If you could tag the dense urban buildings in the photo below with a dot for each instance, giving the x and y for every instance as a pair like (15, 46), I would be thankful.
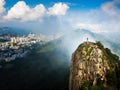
(12, 47)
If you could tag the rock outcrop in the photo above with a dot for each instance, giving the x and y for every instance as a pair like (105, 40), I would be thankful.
(94, 67)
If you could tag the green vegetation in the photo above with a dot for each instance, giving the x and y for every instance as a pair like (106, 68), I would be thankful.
(112, 75)
(80, 47)
(86, 86)
(112, 56)
(49, 47)
(46, 48)
(114, 62)
(99, 44)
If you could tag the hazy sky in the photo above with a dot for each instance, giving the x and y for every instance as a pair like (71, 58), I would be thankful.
(61, 15)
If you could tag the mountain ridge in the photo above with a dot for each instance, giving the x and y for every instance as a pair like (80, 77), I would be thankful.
(94, 67)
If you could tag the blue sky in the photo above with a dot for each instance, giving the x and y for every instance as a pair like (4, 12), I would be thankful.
(61, 15)
(74, 4)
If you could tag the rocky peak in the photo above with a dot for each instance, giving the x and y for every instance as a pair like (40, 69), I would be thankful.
(92, 66)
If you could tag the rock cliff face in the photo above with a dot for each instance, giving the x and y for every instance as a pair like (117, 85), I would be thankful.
(94, 67)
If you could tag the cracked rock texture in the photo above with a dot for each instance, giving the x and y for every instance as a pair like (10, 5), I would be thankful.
(94, 67)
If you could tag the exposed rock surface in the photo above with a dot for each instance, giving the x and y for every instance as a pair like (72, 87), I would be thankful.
(94, 67)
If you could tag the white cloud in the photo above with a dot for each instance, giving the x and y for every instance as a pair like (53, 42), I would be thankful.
(93, 27)
(111, 8)
(23, 12)
(58, 9)
(2, 9)
(103, 19)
